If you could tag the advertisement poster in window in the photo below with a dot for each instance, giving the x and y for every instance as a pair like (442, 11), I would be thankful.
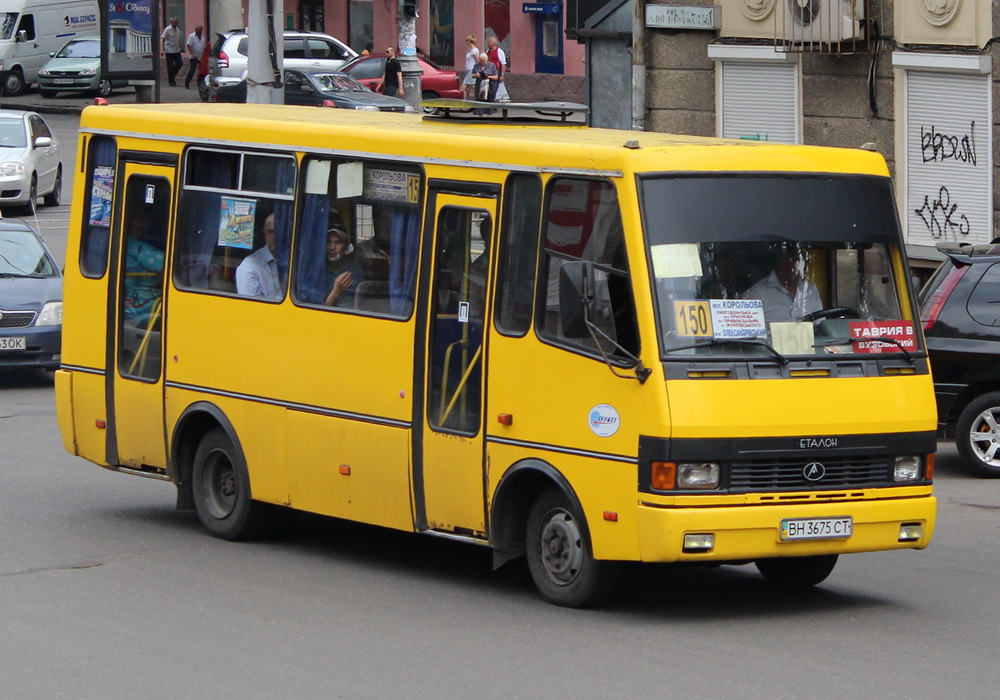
(100, 196)
(236, 217)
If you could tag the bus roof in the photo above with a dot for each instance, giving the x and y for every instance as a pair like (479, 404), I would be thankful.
(556, 148)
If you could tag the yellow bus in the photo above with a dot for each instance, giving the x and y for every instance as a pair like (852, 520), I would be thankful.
(577, 345)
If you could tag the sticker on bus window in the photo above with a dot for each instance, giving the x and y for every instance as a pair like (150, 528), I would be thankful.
(793, 337)
(236, 222)
(693, 319)
(738, 318)
(676, 260)
(100, 195)
(866, 336)
(383, 185)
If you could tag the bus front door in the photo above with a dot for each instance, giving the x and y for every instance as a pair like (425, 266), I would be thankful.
(449, 483)
(135, 358)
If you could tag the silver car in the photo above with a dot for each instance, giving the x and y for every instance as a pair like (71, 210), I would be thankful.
(303, 50)
(30, 163)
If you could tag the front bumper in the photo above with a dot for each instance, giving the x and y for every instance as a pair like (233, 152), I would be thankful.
(748, 532)
(42, 348)
(14, 189)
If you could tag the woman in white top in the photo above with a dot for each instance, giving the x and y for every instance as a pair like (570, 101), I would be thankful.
(471, 61)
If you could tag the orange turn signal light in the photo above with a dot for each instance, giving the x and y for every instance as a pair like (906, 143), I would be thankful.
(664, 476)
(100, 423)
(611, 516)
(929, 467)
(505, 418)
(345, 469)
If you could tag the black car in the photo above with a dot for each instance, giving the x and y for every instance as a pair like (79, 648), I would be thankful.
(31, 289)
(319, 88)
(960, 311)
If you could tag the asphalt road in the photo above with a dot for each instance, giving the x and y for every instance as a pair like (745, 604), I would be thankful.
(107, 591)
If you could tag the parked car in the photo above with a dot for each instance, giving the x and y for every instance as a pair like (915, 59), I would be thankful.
(960, 312)
(30, 299)
(30, 162)
(435, 81)
(317, 88)
(303, 50)
(76, 67)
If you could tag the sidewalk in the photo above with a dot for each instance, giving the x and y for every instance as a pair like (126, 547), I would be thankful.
(74, 102)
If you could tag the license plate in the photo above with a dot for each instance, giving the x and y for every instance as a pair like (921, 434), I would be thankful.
(816, 528)
(8, 343)
(63, 81)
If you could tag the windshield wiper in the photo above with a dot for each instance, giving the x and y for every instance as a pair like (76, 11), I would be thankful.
(736, 341)
(883, 339)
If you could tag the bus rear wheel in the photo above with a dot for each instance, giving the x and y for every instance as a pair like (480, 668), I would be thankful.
(559, 555)
(222, 489)
(797, 572)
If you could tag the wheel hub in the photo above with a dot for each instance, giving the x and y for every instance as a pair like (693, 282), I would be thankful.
(562, 548)
(983, 437)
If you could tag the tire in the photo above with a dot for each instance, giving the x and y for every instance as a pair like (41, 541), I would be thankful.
(46, 93)
(29, 206)
(797, 572)
(104, 88)
(14, 84)
(559, 555)
(429, 96)
(977, 435)
(203, 92)
(54, 198)
(221, 486)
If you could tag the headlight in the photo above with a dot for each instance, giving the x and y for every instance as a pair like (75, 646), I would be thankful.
(697, 475)
(367, 108)
(51, 314)
(11, 168)
(88, 71)
(44, 72)
(907, 468)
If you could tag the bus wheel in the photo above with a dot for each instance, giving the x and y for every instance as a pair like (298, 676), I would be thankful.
(222, 489)
(559, 557)
(977, 434)
(797, 572)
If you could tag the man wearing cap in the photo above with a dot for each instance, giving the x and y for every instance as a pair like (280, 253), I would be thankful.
(343, 272)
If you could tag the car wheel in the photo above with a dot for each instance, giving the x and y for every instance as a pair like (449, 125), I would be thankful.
(14, 85)
(46, 93)
(977, 435)
(429, 96)
(221, 487)
(797, 572)
(104, 87)
(29, 206)
(203, 91)
(559, 555)
(53, 198)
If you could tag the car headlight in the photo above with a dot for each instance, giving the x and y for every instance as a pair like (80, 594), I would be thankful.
(367, 108)
(51, 314)
(11, 168)
(88, 71)
(907, 468)
(44, 72)
(697, 475)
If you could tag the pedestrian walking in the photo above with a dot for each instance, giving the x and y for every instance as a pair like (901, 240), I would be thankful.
(195, 48)
(170, 48)
(392, 80)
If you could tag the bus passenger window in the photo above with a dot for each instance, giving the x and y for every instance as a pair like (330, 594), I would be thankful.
(518, 253)
(96, 230)
(358, 237)
(232, 238)
(584, 224)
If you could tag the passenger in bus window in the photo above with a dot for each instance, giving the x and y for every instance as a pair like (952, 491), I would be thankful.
(257, 275)
(343, 271)
(787, 293)
(143, 268)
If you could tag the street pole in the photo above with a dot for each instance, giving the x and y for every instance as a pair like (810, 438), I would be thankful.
(263, 87)
(406, 20)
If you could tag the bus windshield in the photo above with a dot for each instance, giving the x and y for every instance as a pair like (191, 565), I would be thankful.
(777, 265)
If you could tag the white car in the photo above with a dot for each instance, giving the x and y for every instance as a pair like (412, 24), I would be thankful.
(303, 50)
(30, 163)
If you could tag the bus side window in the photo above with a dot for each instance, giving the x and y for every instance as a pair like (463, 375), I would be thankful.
(96, 229)
(358, 237)
(518, 252)
(231, 238)
(584, 223)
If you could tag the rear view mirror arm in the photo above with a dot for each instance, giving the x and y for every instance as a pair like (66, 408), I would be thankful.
(641, 373)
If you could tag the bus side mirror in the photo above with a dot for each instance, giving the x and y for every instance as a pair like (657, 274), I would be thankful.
(576, 298)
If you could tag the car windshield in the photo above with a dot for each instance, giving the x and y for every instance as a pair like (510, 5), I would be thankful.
(338, 82)
(777, 265)
(84, 48)
(12, 134)
(8, 20)
(21, 255)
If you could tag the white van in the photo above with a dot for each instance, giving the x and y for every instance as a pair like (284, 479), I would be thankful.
(32, 29)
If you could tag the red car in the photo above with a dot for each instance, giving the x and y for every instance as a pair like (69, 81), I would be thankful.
(435, 82)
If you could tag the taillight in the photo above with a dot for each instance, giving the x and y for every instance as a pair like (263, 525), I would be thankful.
(936, 301)
(223, 60)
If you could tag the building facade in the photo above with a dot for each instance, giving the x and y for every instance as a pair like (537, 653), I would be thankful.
(913, 79)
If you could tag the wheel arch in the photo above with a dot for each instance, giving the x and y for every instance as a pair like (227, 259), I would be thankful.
(520, 485)
(196, 420)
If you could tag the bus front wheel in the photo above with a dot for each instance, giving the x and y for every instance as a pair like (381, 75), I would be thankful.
(559, 555)
(797, 572)
(222, 489)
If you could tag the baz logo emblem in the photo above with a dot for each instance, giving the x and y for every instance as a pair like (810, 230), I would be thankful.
(814, 471)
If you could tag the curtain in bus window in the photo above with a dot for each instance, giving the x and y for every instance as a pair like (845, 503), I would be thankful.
(283, 212)
(405, 245)
(203, 213)
(311, 261)
(94, 249)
